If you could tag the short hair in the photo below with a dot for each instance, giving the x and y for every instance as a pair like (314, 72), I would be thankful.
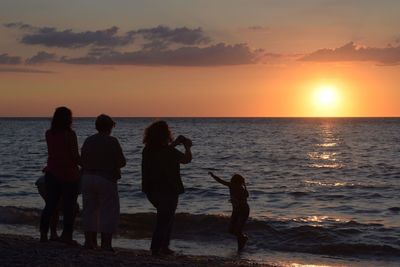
(62, 119)
(104, 123)
(157, 134)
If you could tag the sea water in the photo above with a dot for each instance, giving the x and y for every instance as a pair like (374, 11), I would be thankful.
(325, 189)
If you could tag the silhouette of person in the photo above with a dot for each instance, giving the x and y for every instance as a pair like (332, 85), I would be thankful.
(240, 208)
(161, 179)
(102, 159)
(61, 174)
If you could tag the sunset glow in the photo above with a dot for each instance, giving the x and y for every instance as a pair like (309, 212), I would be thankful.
(326, 96)
(133, 63)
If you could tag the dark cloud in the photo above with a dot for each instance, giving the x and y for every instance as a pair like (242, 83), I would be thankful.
(9, 60)
(51, 37)
(162, 35)
(161, 45)
(19, 25)
(214, 55)
(259, 28)
(25, 70)
(153, 38)
(41, 57)
(351, 52)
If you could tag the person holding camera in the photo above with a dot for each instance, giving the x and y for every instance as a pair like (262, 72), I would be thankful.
(161, 179)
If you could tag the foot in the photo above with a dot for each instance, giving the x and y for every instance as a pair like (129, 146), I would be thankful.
(167, 251)
(109, 249)
(242, 242)
(43, 237)
(155, 252)
(90, 246)
(68, 241)
(54, 237)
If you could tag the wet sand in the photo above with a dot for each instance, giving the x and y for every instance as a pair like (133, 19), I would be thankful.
(26, 251)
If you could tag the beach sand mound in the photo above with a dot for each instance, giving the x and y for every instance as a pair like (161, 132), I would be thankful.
(27, 251)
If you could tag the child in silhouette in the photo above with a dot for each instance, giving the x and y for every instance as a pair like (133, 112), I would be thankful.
(240, 208)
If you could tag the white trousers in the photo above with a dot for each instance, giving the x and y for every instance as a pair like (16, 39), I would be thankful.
(100, 204)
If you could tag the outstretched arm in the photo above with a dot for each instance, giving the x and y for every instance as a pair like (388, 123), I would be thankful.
(219, 180)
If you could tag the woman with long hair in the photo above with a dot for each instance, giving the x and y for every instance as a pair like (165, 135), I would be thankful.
(161, 179)
(61, 174)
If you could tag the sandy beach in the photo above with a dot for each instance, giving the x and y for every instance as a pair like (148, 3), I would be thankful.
(27, 251)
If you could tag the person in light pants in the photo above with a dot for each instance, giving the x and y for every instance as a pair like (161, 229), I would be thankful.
(102, 159)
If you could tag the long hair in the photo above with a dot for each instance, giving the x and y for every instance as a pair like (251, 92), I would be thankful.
(237, 180)
(157, 134)
(62, 119)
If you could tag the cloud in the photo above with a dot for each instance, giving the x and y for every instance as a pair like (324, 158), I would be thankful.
(25, 70)
(214, 55)
(163, 36)
(258, 28)
(41, 57)
(20, 26)
(51, 37)
(160, 45)
(351, 52)
(153, 38)
(9, 60)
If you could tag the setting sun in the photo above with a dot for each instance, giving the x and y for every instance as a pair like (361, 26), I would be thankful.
(326, 100)
(326, 96)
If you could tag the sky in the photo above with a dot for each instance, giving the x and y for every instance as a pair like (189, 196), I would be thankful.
(176, 58)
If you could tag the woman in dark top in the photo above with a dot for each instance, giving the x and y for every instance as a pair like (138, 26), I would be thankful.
(61, 174)
(161, 179)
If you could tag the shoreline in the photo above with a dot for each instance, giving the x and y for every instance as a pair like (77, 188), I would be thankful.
(19, 250)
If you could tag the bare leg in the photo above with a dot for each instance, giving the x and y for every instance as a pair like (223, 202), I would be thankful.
(90, 240)
(106, 241)
(53, 226)
(242, 240)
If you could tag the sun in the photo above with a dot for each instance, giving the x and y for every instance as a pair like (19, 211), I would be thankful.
(326, 96)
(326, 100)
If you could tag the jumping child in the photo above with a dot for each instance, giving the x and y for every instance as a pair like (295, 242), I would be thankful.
(240, 208)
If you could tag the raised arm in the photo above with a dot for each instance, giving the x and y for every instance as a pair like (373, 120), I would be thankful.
(219, 180)
(187, 143)
(187, 157)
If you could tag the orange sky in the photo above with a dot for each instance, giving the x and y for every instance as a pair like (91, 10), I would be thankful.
(261, 59)
(236, 91)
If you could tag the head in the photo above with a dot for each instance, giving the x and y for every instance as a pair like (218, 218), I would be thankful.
(237, 180)
(104, 124)
(62, 119)
(157, 134)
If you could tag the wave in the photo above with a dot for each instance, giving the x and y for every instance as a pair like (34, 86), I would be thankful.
(332, 238)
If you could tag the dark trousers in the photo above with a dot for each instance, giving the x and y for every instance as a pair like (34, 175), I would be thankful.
(166, 206)
(56, 190)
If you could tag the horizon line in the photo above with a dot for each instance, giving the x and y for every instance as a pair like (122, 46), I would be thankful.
(213, 117)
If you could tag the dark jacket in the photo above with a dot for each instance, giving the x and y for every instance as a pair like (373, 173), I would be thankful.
(161, 170)
(102, 155)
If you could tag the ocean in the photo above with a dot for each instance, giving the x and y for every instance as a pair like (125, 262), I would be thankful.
(322, 191)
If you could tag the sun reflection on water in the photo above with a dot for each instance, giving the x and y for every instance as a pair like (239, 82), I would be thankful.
(332, 184)
(308, 265)
(317, 219)
(323, 156)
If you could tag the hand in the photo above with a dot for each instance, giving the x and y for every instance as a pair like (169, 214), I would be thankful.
(178, 140)
(187, 143)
